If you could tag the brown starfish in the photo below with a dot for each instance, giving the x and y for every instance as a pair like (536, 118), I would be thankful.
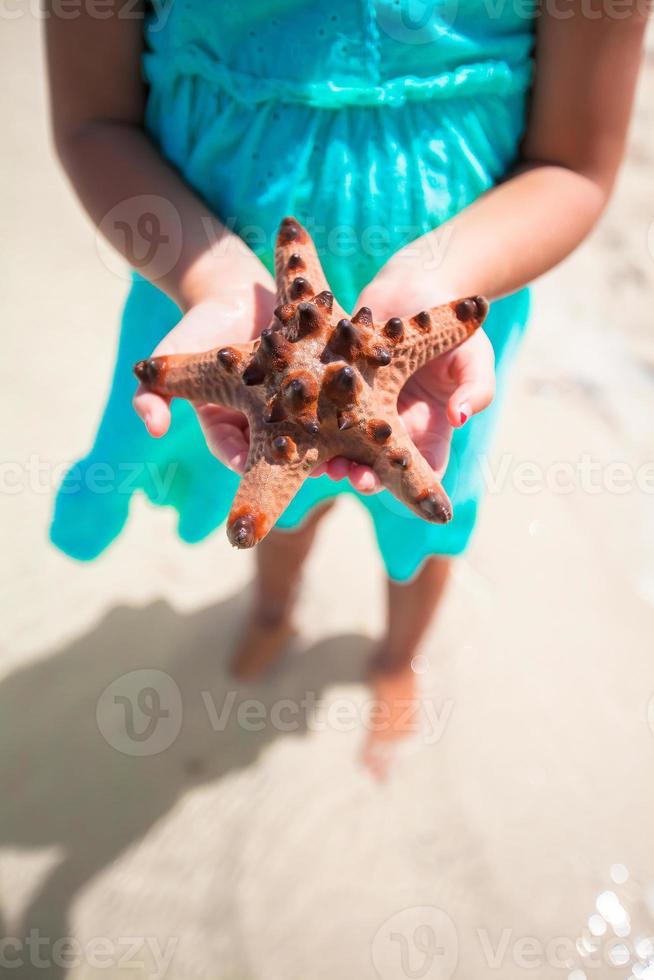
(317, 384)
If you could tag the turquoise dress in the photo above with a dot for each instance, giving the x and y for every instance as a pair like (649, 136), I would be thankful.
(355, 115)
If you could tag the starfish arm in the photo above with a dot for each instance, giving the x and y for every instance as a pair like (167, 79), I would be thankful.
(274, 473)
(414, 341)
(317, 384)
(298, 270)
(212, 376)
(405, 472)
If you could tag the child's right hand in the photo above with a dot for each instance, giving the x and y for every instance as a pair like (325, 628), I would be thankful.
(237, 315)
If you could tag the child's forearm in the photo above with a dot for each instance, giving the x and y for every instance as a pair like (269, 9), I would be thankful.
(585, 80)
(511, 235)
(147, 212)
(507, 238)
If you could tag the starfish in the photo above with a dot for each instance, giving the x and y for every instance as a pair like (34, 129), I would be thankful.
(318, 384)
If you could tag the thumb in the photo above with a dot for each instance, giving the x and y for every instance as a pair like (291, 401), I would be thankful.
(153, 410)
(470, 398)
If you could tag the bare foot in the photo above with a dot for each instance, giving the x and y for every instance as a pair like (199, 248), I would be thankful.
(261, 645)
(395, 712)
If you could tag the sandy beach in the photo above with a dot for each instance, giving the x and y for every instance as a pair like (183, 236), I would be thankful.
(244, 841)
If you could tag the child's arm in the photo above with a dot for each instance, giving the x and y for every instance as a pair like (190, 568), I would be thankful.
(586, 75)
(144, 207)
(97, 108)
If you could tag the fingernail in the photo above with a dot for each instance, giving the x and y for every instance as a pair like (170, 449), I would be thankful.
(465, 411)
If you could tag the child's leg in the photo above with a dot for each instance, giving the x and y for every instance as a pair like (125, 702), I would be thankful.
(280, 558)
(411, 608)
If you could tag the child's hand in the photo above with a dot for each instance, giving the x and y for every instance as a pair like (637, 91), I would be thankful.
(237, 315)
(436, 399)
(442, 396)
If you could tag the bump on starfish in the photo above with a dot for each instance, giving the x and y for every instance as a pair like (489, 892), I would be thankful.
(318, 384)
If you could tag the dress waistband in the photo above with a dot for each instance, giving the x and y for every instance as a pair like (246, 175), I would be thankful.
(466, 81)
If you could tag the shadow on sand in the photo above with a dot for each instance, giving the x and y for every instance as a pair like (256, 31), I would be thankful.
(65, 786)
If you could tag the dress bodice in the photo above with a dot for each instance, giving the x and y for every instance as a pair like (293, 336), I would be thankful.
(355, 115)
(347, 52)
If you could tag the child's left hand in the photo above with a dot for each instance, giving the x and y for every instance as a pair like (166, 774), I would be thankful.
(440, 397)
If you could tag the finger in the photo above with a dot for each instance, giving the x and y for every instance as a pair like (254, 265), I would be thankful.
(227, 435)
(238, 460)
(437, 455)
(364, 479)
(154, 410)
(469, 399)
(434, 443)
(338, 468)
(229, 446)
(476, 388)
(429, 429)
(233, 452)
(436, 452)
